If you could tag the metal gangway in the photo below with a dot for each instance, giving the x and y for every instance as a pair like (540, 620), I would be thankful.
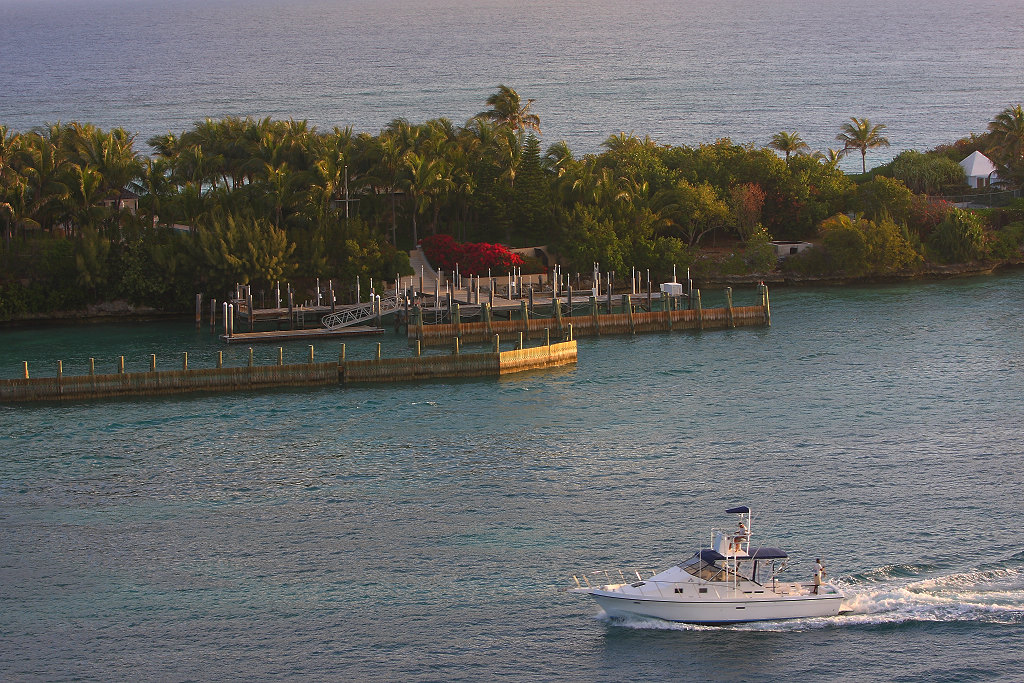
(377, 307)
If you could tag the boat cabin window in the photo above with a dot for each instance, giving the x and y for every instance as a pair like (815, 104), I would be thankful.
(708, 571)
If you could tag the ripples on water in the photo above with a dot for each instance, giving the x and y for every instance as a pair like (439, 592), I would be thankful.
(422, 531)
(681, 71)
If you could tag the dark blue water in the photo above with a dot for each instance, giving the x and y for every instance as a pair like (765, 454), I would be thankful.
(423, 531)
(681, 71)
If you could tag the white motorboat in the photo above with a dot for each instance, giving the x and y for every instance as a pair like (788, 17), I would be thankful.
(732, 581)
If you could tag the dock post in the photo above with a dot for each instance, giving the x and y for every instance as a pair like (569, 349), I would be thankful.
(531, 300)
(330, 293)
(700, 311)
(277, 294)
(311, 352)
(60, 369)
(231, 320)
(152, 362)
(456, 320)
(199, 310)
(627, 306)
(455, 345)
(556, 305)
(184, 361)
(767, 307)
(649, 304)
(609, 293)
(225, 318)
(291, 308)
(252, 312)
(497, 344)
(526, 318)
(593, 314)
(485, 312)
(520, 345)
(24, 365)
(728, 300)
(547, 336)
(120, 366)
(419, 348)
(220, 359)
(341, 354)
(668, 309)
(213, 315)
(490, 293)
(251, 363)
(568, 301)
(92, 367)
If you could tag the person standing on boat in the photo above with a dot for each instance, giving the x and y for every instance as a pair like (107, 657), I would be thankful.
(739, 538)
(819, 574)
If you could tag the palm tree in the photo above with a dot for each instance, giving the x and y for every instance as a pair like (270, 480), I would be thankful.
(506, 108)
(788, 143)
(860, 134)
(1007, 131)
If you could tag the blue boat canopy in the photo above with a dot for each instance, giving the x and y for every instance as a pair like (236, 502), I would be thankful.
(743, 509)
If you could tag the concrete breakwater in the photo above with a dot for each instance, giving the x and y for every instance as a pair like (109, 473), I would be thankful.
(254, 377)
(593, 322)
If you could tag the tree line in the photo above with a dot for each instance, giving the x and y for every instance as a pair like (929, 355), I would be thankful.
(87, 217)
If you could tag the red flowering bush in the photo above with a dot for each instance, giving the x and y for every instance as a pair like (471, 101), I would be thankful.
(444, 253)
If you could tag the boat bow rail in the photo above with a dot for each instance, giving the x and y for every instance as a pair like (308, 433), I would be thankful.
(605, 578)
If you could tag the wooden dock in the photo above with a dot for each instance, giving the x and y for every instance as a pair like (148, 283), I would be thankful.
(252, 377)
(595, 321)
(292, 335)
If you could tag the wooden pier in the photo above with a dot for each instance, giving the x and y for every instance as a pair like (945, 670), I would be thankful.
(595, 321)
(293, 335)
(253, 377)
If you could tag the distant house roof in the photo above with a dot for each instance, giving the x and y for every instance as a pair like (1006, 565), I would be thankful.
(977, 165)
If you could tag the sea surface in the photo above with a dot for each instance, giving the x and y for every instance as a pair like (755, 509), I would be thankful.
(425, 531)
(681, 71)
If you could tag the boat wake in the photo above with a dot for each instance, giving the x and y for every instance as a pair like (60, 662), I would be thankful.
(897, 595)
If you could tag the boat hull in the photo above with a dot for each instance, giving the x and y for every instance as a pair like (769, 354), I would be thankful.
(721, 611)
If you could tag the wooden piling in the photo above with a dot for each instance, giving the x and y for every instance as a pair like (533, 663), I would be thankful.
(199, 310)
(594, 316)
(291, 308)
(767, 307)
(456, 318)
(556, 305)
(220, 359)
(525, 314)
(728, 300)
(25, 368)
(184, 360)
(627, 306)
(311, 352)
(152, 362)
(252, 311)
(120, 366)
(92, 367)
(700, 311)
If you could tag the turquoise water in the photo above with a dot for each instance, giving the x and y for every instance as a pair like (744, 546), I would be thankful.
(422, 531)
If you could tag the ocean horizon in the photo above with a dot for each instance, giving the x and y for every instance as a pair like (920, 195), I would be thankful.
(680, 71)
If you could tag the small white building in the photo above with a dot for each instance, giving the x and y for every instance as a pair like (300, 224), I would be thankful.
(980, 170)
(784, 248)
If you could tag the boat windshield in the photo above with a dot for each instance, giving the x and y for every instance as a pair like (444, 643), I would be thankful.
(709, 571)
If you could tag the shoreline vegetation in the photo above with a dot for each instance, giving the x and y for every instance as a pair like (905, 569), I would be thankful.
(93, 229)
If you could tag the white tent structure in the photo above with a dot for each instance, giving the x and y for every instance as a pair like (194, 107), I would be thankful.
(980, 170)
